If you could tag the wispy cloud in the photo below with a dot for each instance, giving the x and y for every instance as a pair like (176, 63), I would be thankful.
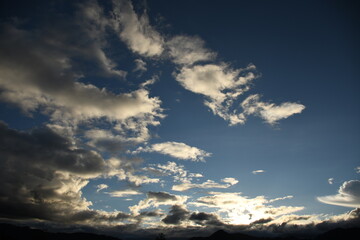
(177, 150)
(258, 171)
(124, 193)
(331, 180)
(101, 187)
(205, 185)
(136, 31)
(177, 171)
(140, 65)
(270, 112)
(187, 50)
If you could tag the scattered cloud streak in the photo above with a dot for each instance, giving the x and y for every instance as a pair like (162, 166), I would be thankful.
(331, 181)
(124, 193)
(258, 171)
(205, 185)
(176, 150)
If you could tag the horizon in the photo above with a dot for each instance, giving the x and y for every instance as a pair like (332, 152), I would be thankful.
(140, 117)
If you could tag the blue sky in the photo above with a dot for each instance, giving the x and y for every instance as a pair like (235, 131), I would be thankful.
(148, 113)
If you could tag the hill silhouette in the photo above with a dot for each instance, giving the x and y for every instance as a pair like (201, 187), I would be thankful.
(12, 232)
(336, 234)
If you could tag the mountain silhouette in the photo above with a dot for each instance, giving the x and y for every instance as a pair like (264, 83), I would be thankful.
(222, 235)
(12, 232)
(340, 233)
(336, 234)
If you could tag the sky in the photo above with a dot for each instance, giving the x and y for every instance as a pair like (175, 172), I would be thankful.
(138, 117)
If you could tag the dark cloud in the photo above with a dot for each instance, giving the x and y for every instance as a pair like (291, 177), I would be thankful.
(206, 219)
(176, 215)
(151, 214)
(161, 196)
(262, 221)
(42, 174)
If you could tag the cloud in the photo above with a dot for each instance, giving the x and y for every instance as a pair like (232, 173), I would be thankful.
(221, 86)
(124, 193)
(214, 81)
(206, 219)
(257, 171)
(125, 170)
(140, 65)
(177, 171)
(231, 181)
(331, 180)
(241, 209)
(348, 195)
(150, 81)
(42, 174)
(270, 112)
(136, 31)
(357, 169)
(208, 184)
(176, 150)
(36, 76)
(155, 199)
(101, 187)
(186, 50)
(176, 215)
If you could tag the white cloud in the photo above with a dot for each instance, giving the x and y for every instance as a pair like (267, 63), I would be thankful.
(150, 81)
(348, 195)
(270, 112)
(205, 185)
(281, 198)
(101, 187)
(241, 209)
(155, 199)
(231, 181)
(357, 169)
(124, 193)
(124, 170)
(136, 31)
(214, 80)
(177, 171)
(221, 86)
(34, 77)
(258, 171)
(331, 180)
(176, 150)
(187, 50)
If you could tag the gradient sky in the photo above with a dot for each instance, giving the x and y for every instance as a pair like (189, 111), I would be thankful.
(180, 115)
